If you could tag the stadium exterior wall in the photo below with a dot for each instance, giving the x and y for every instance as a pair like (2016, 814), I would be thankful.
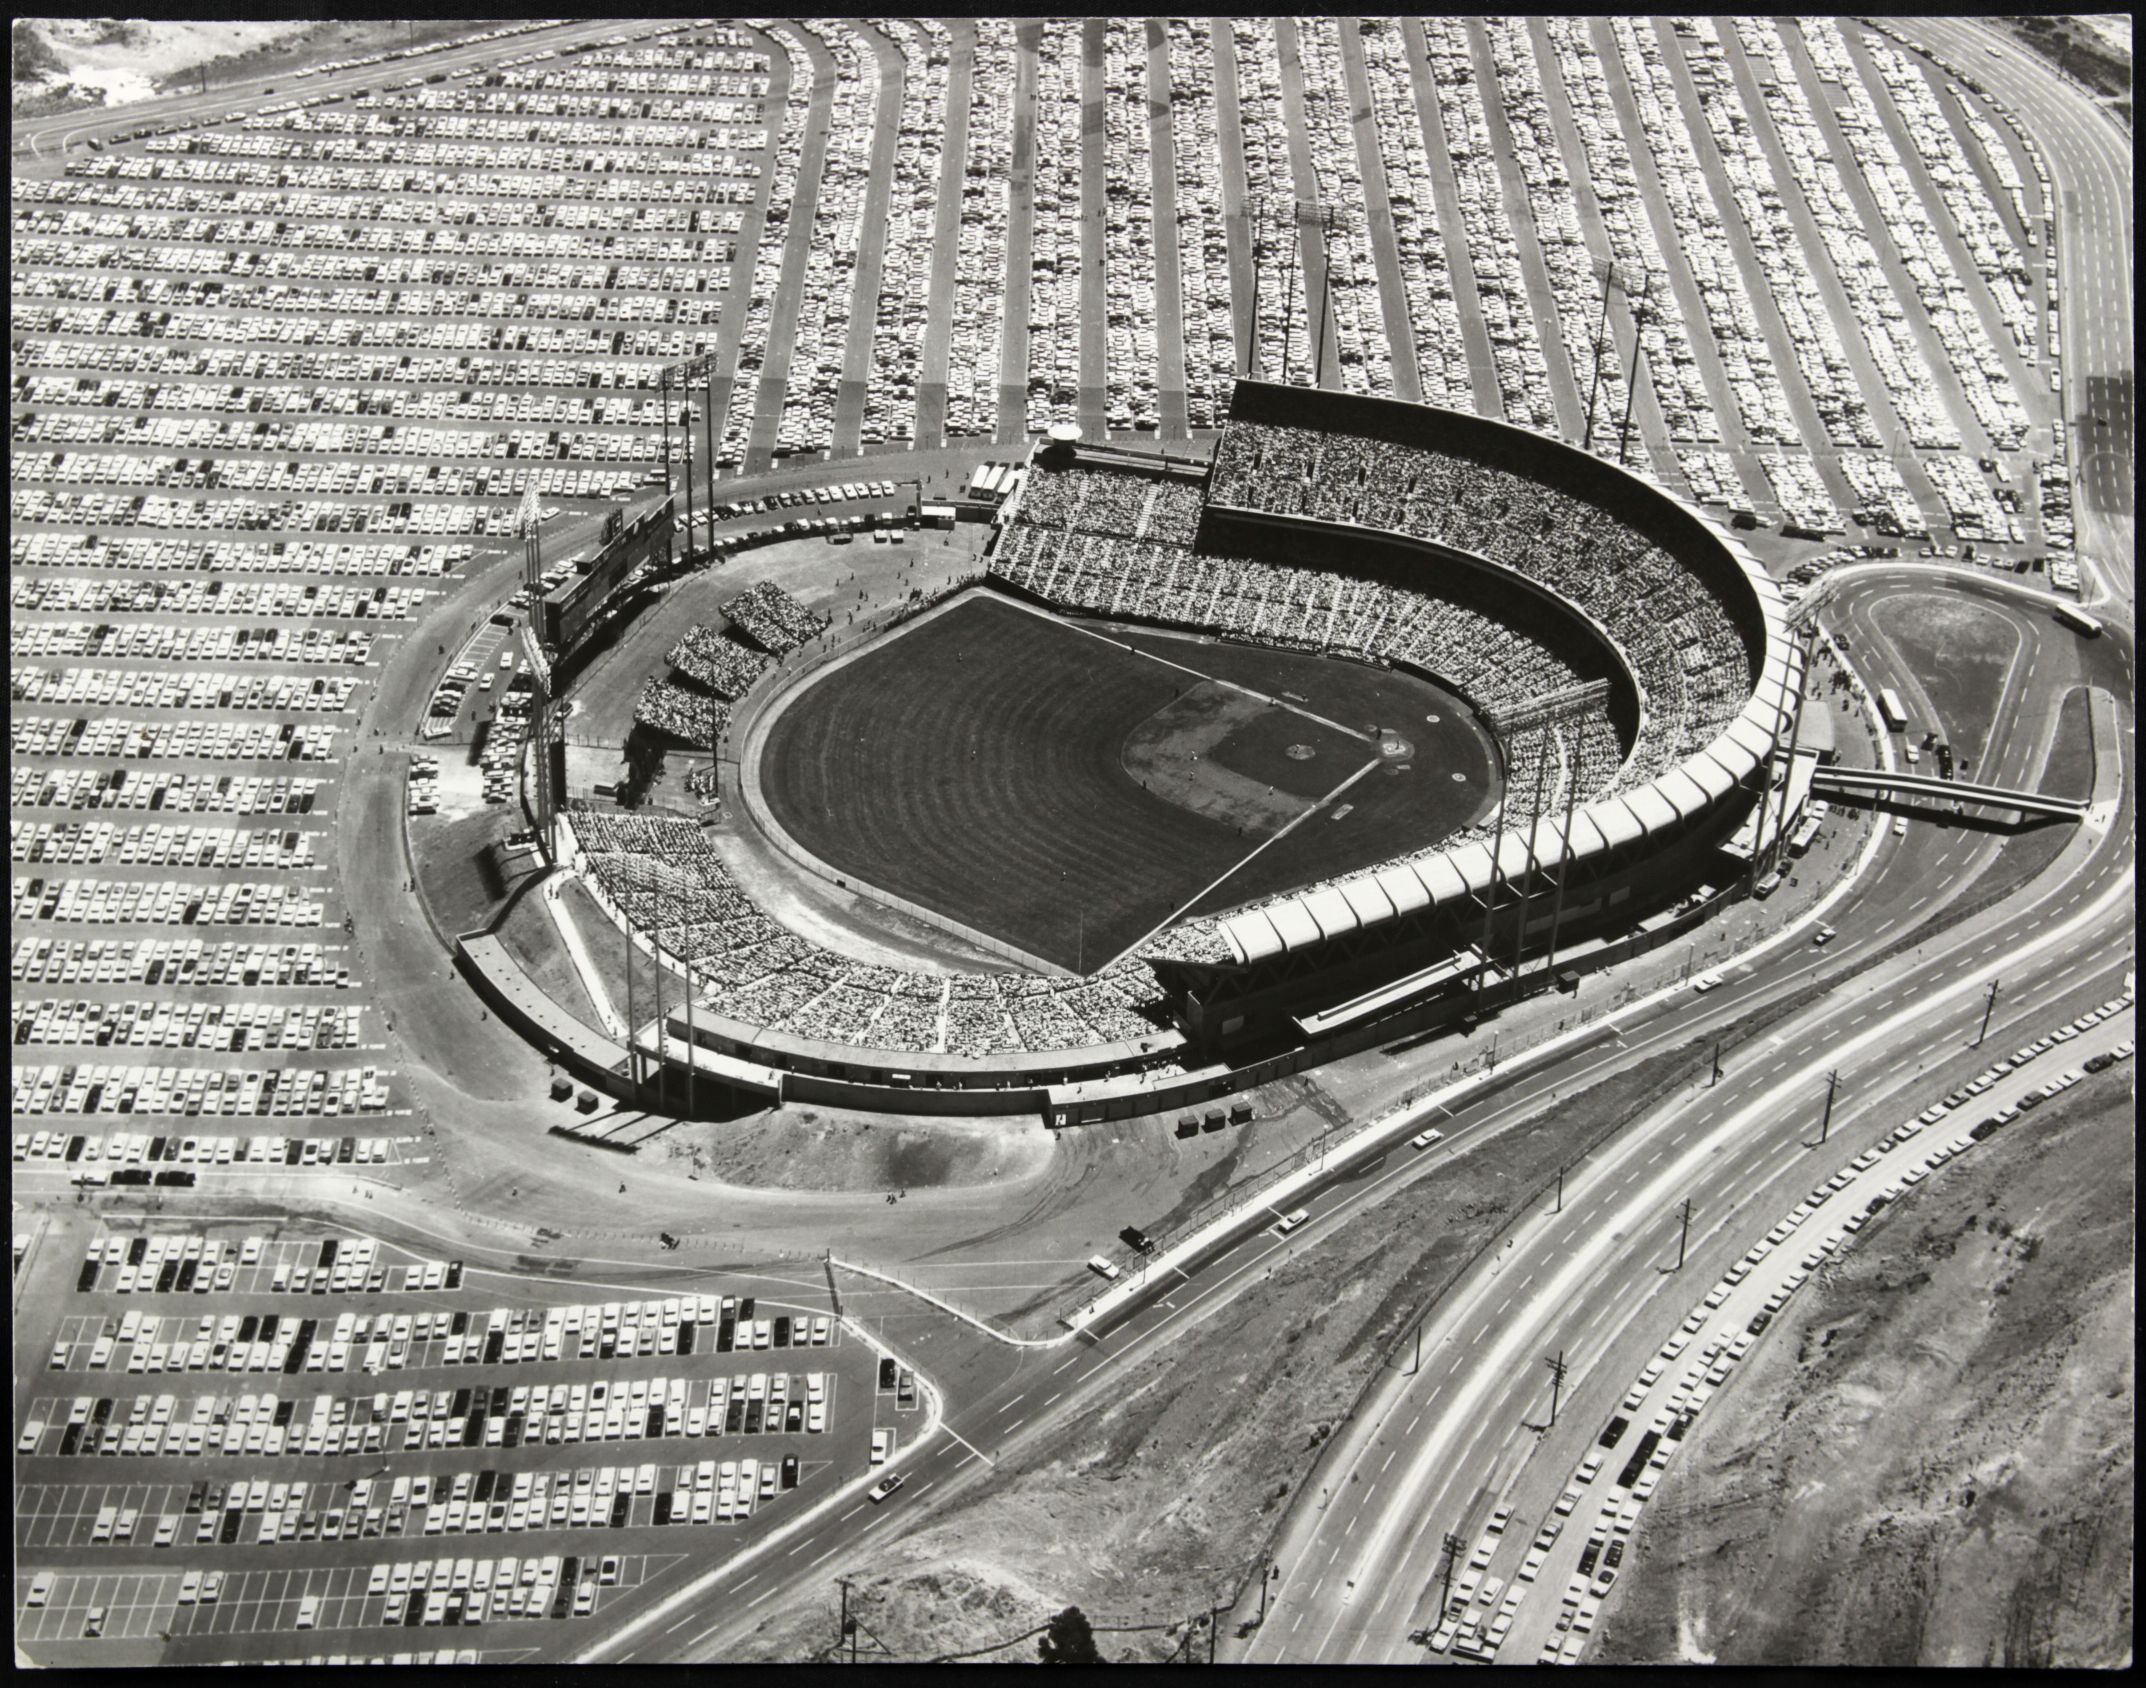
(1735, 760)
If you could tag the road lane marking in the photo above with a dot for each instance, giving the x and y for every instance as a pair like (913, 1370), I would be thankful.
(966, 1443)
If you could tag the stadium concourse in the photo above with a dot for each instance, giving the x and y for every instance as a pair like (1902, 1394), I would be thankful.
(1510, 572)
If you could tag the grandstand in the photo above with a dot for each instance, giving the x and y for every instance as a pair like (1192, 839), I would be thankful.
(1535, 582)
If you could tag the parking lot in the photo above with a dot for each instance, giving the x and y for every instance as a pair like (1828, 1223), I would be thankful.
(347, 1410)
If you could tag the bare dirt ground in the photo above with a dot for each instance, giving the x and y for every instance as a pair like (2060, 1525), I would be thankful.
(801, 1149)
(118, 61)
(1156, 1507)
(1933, 1464)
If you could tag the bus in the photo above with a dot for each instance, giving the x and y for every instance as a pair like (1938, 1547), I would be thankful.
(1800, 840)
(1889, 707)
(2079, 621)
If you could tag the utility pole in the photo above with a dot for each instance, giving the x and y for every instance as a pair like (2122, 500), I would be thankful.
(1453, 1546)
(848, 1631)
(663, 389)
(1684, 1235)
(1560, 1208)
(1557, 1382)
(1716, 1079)
(1988, 1008)
(1825, 1124)
(1267, 1576)
(1417, 1364)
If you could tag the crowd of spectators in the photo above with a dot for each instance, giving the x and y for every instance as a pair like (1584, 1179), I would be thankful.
(1676, 637)
(774, 620)
(680, 712)
(672, 885)
(720, 665)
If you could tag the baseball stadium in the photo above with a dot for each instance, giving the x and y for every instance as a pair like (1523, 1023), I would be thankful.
(1202, 773)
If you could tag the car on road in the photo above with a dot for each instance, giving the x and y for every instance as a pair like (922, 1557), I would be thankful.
(1823, 936)
(1705, 982)
(1424, 1139)
(885, 1487)
(1900, 828)
(1290, 1221)
(1101, 1268)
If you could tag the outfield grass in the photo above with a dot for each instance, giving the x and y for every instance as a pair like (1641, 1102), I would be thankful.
(976, 765)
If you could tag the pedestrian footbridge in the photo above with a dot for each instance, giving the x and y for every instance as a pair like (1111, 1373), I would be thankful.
(1875, 782)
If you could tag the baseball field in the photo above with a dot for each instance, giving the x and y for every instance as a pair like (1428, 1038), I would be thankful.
(1068, 788)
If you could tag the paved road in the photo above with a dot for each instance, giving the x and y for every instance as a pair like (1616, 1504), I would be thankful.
(54, 137)
(1006, 1399)
(1358, 1560)
(2089, 160)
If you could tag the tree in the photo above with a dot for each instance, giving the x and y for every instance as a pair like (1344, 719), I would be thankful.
(1069, 1640)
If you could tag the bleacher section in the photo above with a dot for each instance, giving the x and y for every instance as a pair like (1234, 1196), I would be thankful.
(663, 872)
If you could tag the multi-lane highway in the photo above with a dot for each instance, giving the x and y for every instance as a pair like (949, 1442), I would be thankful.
(1434, 1451)
(1737, 1151)
(2089, 160)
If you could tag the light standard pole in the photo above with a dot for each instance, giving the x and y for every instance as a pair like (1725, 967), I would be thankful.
(1988, 1008)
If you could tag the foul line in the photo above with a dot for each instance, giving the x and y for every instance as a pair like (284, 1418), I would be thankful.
(1322, 806)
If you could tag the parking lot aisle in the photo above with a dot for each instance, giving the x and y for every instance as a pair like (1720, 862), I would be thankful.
(877, 56)
(946, 247)
(774, 390)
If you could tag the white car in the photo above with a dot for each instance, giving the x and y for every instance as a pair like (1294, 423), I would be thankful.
(1424, 1139)
(1290, 1221)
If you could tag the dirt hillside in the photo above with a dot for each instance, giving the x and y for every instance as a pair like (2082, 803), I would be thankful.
(1933, 1464)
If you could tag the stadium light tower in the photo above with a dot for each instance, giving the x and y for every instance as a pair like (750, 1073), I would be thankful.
(1541, 716)
(1618, 273)
(1333, 220)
